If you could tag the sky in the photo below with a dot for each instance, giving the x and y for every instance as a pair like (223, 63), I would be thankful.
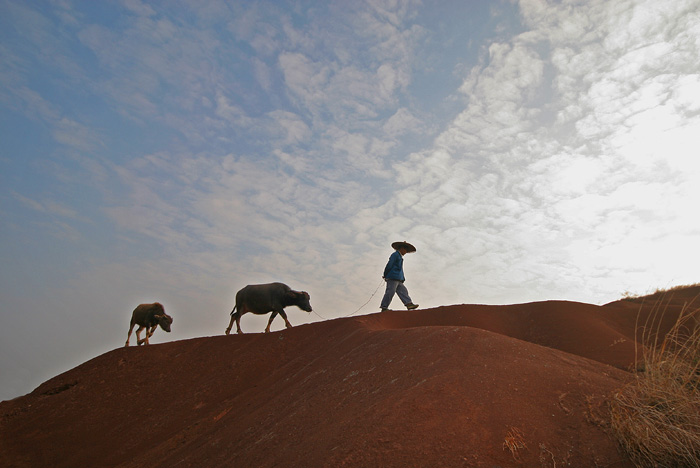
(177, 151)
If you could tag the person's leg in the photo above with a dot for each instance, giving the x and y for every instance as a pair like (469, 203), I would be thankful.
(391, 286)
(402, 292)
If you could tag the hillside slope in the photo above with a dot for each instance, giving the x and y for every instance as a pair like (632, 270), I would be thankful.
(452, 386)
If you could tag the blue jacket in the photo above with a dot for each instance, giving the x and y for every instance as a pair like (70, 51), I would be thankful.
(394, 267)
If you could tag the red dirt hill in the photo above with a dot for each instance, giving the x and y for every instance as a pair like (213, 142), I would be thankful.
(521, 385)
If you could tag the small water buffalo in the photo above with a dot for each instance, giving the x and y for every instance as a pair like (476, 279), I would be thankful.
(148, 316)
(263, 298)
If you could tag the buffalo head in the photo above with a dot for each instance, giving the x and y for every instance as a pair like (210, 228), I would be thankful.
(164, 321)
(302, 300)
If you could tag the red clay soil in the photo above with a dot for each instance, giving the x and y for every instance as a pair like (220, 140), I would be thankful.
(461, 386)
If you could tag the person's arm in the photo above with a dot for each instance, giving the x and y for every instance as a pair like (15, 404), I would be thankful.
(390, 264)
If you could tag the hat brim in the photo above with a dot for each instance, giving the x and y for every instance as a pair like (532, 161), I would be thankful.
(409, 248)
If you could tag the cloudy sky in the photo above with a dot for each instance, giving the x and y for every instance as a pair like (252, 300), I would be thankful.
(177, 151)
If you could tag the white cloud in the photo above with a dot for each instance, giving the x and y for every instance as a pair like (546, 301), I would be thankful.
(231, 113)
(294, 128)
(48, 206)
(304, 78)
(402, 122)
(139, 8)
(686, 94)
(71, 133)
(263, 74)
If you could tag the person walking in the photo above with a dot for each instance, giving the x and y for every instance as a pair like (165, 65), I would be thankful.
(394, 277)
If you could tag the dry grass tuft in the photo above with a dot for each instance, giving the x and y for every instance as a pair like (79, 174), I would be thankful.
(629, 296)
(514, 442)
(656, 419)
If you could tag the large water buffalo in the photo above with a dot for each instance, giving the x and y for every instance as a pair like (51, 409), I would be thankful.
(148, 316)
(263, 298)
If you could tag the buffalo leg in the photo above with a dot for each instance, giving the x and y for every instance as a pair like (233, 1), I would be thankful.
(272, 317)
(241, 310)
(284, 316)
(150, 332)
(237, 315)
(237, 318)
(230, 324)
(233, 314)
(139, 341)
(131, 328)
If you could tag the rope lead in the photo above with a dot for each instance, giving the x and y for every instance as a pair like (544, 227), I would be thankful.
(360, 308)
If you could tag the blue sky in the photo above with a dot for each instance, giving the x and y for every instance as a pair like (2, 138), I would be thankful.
(177, 151)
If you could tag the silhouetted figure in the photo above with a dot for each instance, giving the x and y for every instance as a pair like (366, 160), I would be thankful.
(394, 277)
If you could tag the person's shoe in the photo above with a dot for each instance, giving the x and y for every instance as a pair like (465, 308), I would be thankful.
(411, 306)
